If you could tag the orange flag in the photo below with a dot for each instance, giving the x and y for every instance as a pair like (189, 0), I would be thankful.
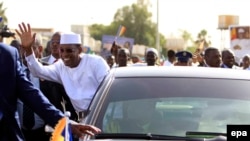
(121, 30)
(62, 131)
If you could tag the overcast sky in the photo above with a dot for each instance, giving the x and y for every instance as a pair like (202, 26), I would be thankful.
(190, 15)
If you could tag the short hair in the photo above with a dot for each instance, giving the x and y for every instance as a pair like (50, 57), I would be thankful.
(110, 56)
(15, 43)
(171, 53)
(209, 50)
(224, 51)
(126, 51)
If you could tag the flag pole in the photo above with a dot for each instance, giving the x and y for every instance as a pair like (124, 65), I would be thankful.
(67, 115)
(117, 34)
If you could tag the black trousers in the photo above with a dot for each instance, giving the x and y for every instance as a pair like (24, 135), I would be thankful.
(37, 134)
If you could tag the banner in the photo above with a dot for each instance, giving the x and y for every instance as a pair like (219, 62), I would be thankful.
(240, 40)
(107, 41)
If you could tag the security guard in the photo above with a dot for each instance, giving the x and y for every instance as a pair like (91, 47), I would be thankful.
(183, 58)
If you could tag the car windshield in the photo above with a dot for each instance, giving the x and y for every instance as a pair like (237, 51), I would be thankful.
(174, 106)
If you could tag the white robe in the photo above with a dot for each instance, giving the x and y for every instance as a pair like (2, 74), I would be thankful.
(80, 83)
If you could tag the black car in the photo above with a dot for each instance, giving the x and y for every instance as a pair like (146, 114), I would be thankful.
(170, 103)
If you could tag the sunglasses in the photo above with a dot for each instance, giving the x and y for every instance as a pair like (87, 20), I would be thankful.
(68, 50)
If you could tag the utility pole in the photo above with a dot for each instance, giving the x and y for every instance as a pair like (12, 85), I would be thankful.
(157, 30)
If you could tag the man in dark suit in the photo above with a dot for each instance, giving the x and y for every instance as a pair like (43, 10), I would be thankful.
(32, 125)
(13, 85)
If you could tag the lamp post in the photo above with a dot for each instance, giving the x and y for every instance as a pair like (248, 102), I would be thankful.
(157, 30)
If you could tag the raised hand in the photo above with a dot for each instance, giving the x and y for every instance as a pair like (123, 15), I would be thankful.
(26, 37)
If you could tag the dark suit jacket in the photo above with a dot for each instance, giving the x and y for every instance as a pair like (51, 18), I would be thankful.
(13, 85)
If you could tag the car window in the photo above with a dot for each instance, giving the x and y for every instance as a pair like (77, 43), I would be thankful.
(174, 116)
(134, 105)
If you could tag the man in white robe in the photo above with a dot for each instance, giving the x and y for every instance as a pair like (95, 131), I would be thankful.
(80, 74)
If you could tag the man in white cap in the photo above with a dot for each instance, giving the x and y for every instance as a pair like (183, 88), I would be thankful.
(151, 57)
(80, 74)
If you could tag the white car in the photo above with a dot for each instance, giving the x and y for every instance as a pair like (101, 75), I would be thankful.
(170, 103)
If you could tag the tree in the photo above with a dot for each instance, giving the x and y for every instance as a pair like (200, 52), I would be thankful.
(96, 31)
(187, 37)
(203, 37)
(137, 20)
(4, 19)
(2, 14)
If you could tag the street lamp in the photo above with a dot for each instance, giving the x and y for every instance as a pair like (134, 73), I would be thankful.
(157, 30)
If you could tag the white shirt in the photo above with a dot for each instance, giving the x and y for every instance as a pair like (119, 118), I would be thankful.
(80, 83)
(167, 63)
(233, 67)
(52, 59)
(139, 64)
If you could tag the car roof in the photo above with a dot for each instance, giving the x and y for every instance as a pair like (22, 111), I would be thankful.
(180, 71)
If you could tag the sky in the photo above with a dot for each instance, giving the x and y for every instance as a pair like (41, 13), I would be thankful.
(174, 15)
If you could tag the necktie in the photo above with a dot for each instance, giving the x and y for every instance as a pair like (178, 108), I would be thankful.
(28, 114)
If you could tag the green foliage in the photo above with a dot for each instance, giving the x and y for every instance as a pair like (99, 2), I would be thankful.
(137, 20)
(191, 49)
(203, 36)
(2, 14)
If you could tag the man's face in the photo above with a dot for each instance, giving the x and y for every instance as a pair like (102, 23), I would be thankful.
(122, 58)
(228, 59)
(135, 59)
(70, 55)
(246, 62)
(37, 50)
(55, 45)
(213, 59)
(110, 60)
(151, 58)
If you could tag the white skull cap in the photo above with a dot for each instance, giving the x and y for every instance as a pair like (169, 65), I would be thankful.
(70, 38)
(152, 50)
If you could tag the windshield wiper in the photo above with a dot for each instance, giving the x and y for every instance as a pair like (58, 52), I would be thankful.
(204, 134)
(148, 136)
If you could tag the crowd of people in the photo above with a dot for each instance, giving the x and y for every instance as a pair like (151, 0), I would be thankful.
(207, 57)
(44, 87)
